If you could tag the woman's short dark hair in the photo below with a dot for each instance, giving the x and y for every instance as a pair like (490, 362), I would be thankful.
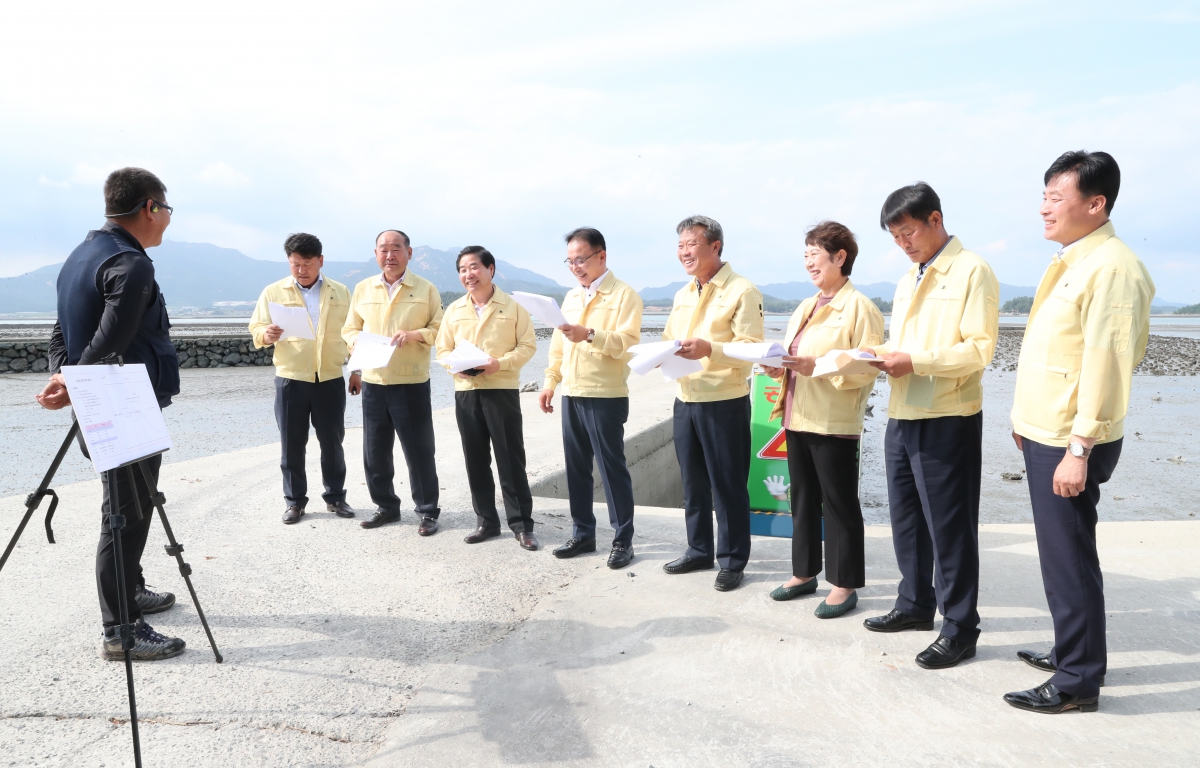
(303, 244)
(1096, 173)
(834, 237)
(127, 188)
(917, 201)
(485, 256)
(590, 236)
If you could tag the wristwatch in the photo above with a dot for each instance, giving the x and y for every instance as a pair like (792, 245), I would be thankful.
(591, 335)
(1078, 451)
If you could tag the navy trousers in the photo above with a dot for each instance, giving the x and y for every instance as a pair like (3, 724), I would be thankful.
(404, 411)
(490, 418)
(594, 428)
(1066, 537)
(934, 468)
(712, 443)
(297, 403)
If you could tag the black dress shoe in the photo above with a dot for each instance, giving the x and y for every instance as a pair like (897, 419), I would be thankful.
(1048, 700)
(896, 622)
(292, 515)
(481, 534)
(687, 564)
(728, 580)
(341, 509)
(1042, 661)
(620, 556)
(575, 547)
(428, 526)
(527, 540)
(944, 652)
(381, 517)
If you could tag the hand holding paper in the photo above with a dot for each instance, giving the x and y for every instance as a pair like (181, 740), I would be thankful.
(293, 320)
(844, 362)
(463, 357)
(543, 308)
(371, 351)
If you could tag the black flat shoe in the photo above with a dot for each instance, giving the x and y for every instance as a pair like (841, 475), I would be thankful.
(1042, 661)
(620, 556)
(428, 526)
(896, 622)
(341, 509)
(481, 534)
(380, 518)
(292, 515)
(1048, 700)
(687, 564)
(575, 547)
(728, 580)
(944, 652)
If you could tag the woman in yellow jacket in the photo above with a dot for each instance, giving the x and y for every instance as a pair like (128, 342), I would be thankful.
(823, 418)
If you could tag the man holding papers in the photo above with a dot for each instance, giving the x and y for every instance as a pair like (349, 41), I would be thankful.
(945, 320)
(393, 321)
(588, 355)
(309, 353)
(486, 399)
(712, 406)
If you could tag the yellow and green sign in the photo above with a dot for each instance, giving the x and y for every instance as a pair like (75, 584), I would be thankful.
(770, 482)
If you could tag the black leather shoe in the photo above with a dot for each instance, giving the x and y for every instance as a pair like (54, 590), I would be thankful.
(575, 547)
(896, 622)
(428, 526)
(527, 540)
(381, 517)
(1048, 700)
(944, 652)
(620, 556)
(1042, 661)
(728, 580)
(687, 564)
(341, 509)
(292, 515)
(481, 534)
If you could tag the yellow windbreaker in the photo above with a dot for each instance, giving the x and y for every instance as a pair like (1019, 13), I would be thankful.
(504, 331)
(415, 305)
(598, 368)
(317, 359)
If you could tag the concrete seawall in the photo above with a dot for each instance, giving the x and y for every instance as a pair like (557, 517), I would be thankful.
(213, 352)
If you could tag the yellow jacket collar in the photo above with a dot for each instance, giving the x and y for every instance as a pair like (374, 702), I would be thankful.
(1080, 250)
(719, 279)
(940, 264)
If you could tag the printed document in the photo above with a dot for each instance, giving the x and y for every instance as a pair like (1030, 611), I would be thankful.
(543, 308)
(370, 351)
(293, 320)
(767, 353)
(464, 357)
(117, 412)
(661, 355)
(843, 362)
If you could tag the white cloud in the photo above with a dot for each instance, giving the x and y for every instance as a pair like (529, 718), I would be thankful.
(45, 182)
(222, 174)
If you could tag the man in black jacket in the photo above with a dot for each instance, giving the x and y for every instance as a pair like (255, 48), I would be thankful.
(109, 304)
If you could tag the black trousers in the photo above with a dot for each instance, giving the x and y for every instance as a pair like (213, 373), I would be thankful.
(934, 468)
(712, 443)
(490, 418)
(324, 404)
(594, 428)
(1066, 537)
(824, 472)
(133, 541)
(404, 411)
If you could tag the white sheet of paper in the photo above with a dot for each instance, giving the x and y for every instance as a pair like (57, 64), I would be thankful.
(370, 351)
(543, 308)
(843, 362)
(763, 353)
(675, 367)
(464, 356)
(293, 320)
(647, 357)
(118, 413)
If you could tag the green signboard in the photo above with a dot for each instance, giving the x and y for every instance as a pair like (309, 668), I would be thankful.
(770, 482)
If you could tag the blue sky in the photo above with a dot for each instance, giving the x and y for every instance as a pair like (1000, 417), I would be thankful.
(510, 124)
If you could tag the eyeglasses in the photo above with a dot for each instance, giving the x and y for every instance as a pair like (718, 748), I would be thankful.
(170, 209)
(580, 262)
(140, 206)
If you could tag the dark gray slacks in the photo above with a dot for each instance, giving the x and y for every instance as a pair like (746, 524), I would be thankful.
(404, 411)
(297, 403)
(1066, 537)
(934, 467)
(824, 475)
(133, 541)
(712, 444)
(594, 428)
(491, 418)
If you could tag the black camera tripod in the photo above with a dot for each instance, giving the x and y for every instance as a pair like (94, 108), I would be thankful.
(116, 522)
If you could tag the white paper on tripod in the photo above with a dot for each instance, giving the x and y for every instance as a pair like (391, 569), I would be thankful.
(294, 321)
(843, 362)
(543, 308)
(763, 353)
(463, 357)
(117, 412)
(370, 351)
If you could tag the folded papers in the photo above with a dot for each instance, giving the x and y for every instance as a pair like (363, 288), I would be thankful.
(463, 357)
(370, 351)
(768, 353)
(661, 355)
(844, 362)
(543, 308)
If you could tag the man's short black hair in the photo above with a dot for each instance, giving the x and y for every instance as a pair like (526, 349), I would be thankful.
(587, 234)
(1096, 173)
(917, 201)
(485, 256)
(126, 189)
(302, 244)
(407, 242)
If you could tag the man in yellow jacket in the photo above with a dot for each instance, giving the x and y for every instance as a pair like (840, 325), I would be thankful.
(945, 321)
(589, 357)
(308, 374)
(1086, 332)
(712, 406)
(407, 308)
